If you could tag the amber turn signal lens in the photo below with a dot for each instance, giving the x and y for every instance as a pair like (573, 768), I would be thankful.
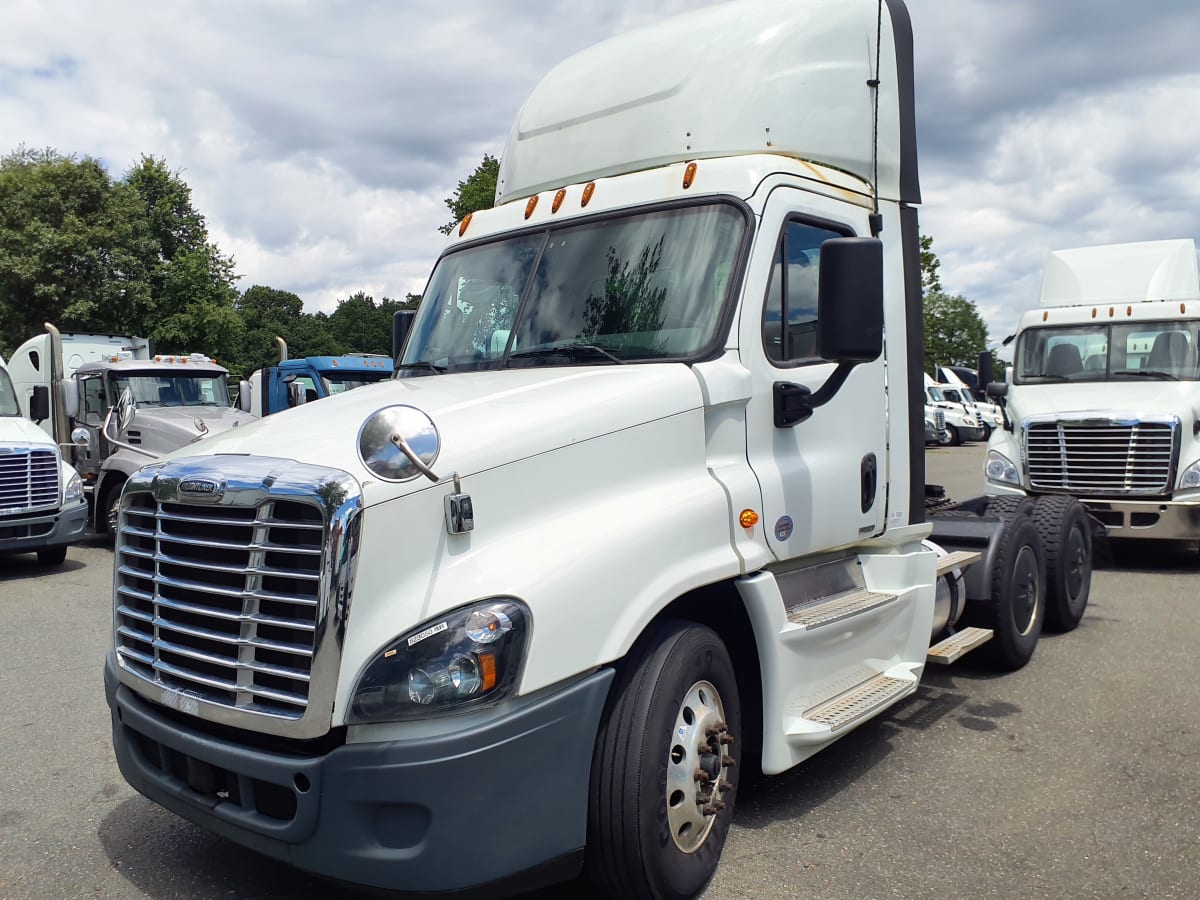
(462, 226)
(558, 200)
(531, 206)
(748, 518)
(689, 175)
(588, 190)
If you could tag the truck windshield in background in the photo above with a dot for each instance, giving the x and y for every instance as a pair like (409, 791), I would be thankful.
(1156, 350)
(154, 389)
(638, 287)
(8, 396)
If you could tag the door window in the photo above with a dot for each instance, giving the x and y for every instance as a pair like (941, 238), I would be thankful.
(792, 294)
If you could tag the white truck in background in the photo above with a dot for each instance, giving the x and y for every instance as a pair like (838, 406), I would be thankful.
(42, 507)
(963, 420)
(643, 506)
(115, 407)
(952, 378)
(1103, 397)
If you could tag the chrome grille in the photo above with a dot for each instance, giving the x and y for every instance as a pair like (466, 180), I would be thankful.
(28, 480)
(939, 419)
(221, 602)
(1097, 457)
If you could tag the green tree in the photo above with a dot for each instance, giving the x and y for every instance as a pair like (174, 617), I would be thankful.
(477, 192)
(930, 281)
(71, 246)
(955, 333)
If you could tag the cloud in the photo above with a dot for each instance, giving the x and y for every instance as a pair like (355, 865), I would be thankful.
(320, 138)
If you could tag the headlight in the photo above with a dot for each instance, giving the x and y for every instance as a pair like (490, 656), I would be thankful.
(74, 489)
(1191, 476)
(465, 658)
(999, 468)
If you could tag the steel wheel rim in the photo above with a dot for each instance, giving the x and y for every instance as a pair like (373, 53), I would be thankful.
(1076, 565)
(1026, 590)
(697, 774)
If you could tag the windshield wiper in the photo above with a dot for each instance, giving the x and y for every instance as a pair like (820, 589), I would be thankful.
(422, 364)
(1148, 373)
(570, 351)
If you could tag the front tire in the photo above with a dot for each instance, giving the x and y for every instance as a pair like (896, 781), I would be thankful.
(109, 512)
(52, 556)
(664, 773)
(949, 437)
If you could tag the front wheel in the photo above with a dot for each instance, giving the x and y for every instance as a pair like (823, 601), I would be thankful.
(52, 556)
(949, 437)
(664, 773)
(1067, 540)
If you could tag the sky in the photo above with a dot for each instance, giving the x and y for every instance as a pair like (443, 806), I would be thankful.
(321, 137)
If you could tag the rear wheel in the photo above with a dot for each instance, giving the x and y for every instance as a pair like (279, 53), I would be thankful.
(664, 774)
(1066, 537)
(1015, 610)
(52, 556)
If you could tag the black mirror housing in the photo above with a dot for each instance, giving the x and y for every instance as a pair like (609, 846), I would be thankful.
(983, 373)
(39, 403)
(401, 325)
(997, 390)
(850, 300)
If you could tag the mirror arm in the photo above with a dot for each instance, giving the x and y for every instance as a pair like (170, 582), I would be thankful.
(122, 444)
(829, 389)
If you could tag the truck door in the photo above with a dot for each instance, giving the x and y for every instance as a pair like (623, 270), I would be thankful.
(824, 480)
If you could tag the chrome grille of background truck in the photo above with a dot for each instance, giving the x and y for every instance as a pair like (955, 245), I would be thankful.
(1094, 457)
(230, 595)
(28, 480)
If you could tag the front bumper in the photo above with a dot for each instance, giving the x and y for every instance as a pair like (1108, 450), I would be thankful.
(503, 801)
(26, 534)
(1159, 519)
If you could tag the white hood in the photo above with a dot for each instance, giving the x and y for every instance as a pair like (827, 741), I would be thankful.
(18, 429)
(1144, 397)
(484, 419)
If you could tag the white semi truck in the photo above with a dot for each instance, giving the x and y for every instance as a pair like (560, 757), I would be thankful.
(643, 506)
(1103, 397)
(42, 507)
(114, 406)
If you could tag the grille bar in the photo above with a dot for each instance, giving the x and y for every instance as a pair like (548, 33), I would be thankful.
(28, 480)
(1115, 457)
(222, 602)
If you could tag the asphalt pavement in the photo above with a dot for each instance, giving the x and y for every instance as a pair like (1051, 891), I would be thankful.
(1078, 776)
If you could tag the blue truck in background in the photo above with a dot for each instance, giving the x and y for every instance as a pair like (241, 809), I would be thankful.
(292, 382)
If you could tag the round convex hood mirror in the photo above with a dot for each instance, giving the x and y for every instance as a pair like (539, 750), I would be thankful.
(378, 451)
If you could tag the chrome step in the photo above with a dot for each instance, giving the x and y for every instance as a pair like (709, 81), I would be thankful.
(959, 559)
(860, 702)
(959, 644)
(835, 609)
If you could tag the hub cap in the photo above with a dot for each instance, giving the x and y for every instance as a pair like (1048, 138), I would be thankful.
(1026, 590)
(698, 762)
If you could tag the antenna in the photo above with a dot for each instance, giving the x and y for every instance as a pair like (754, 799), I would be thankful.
(876, 219)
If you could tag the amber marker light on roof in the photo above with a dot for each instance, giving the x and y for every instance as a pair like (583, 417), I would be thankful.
(462, 226)
(1045, 316)
(530, 206)
(588, 190)
(748, 518)
(558, 200)
(689, 175)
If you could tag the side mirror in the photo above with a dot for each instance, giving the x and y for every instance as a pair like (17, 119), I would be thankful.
(983, 373)
(81, 437)
(401, 326)
(997, 390)
(850, 300)
(39, 403)
(125, 410)
(243, 400)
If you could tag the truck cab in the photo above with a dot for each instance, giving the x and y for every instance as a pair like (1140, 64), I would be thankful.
(169, 401)
(295, 381)
(1103, 393)
(642, 507)
(42, 505)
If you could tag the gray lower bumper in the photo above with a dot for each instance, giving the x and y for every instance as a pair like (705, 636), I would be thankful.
(1163, 520)
(25, 534)
(499, 802)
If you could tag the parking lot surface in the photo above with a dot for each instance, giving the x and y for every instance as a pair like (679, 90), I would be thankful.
(1078, 776)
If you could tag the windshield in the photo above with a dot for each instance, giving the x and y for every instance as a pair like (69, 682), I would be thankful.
(934, 394)
(1119, 352)
(645, 286)
(336, 382)
(8, 396)
(952, 395)
(171, 389)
